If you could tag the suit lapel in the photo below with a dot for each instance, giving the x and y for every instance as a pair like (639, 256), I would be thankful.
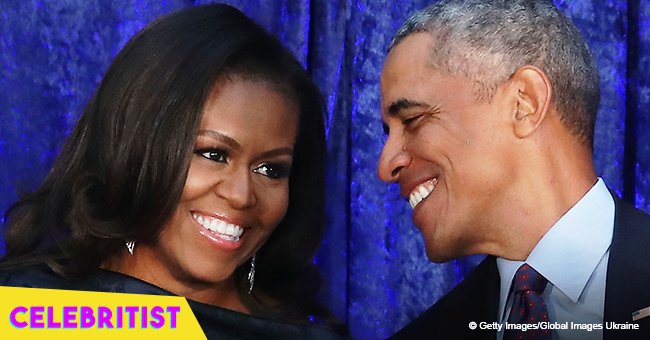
(492, 293)
(628, 270)
(477, 299)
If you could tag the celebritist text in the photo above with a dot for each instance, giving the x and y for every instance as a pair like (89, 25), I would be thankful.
(83, 317)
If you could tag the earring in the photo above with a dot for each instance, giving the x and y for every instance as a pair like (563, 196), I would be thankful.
(251, 275)
(130, 246)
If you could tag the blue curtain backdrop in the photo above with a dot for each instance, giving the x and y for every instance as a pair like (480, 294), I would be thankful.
(54, 53)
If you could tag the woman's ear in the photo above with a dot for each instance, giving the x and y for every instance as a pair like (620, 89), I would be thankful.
(533, 99)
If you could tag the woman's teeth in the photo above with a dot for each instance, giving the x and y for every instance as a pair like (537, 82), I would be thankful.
(421, 192)
(227, 231)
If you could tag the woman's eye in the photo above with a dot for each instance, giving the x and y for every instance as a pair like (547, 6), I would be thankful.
(214, 155)
(273, 171)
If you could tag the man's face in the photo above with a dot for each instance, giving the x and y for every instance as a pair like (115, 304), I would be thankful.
(449, 152)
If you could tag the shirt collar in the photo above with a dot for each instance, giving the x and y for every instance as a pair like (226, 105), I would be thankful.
(569, 252)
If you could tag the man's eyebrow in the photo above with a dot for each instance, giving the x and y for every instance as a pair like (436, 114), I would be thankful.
(402, 104)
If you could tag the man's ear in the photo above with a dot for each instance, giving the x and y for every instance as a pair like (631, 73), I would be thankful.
(533, 99)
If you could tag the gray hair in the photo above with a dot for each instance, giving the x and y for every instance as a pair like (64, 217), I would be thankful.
(488, 40)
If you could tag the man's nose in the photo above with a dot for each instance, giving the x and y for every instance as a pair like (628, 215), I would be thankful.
(394, 158)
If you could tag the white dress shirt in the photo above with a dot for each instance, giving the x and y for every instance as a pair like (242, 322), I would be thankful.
(573, 257)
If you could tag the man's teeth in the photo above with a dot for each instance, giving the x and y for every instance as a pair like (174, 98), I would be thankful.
(421, 192)
(228, 231)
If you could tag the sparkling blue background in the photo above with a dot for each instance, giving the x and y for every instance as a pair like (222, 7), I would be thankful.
(54, 53)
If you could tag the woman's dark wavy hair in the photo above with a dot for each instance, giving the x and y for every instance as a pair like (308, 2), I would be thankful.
(121, 172)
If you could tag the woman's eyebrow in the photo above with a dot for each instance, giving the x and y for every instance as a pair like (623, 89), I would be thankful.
(220, 137)
(277, 152)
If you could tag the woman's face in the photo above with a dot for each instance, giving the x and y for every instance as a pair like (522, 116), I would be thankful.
(236, 192)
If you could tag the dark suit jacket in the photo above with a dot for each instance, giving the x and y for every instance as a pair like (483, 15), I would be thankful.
(476, 298)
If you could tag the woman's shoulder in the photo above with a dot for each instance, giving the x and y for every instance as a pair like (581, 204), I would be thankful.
(34, 276)
(99, 280)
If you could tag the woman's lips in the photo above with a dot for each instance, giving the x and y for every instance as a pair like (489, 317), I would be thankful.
(219, 232)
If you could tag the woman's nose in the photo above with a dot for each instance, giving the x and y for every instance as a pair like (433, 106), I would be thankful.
(238, 189)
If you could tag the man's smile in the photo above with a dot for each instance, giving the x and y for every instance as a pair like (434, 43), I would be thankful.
(422, 191)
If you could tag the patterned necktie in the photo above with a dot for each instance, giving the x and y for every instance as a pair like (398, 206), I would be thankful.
(528, 306)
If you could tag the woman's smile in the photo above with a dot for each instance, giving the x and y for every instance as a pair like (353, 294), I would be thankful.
(219, 232)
